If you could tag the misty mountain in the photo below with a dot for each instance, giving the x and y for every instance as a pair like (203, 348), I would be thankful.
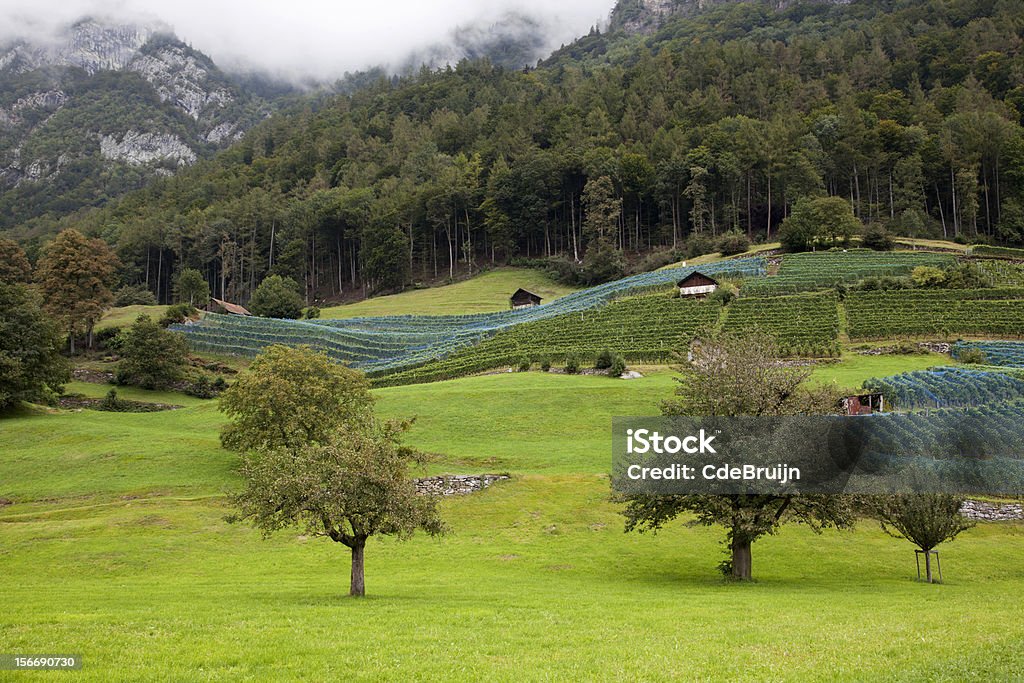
(646, 16)
(102, 108)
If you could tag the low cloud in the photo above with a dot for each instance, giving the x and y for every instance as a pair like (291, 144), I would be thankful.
(301, 39)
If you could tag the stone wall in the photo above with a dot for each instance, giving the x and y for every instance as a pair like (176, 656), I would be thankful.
(989, 512)
(457, 484)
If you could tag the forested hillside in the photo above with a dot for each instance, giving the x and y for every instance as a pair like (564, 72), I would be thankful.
(722, 121)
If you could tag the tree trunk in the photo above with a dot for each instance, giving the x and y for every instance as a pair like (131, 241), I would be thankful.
(928, 566)
(358, 585)
(741, 560)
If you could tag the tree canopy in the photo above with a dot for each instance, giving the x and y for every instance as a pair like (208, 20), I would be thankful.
(729, 375)
(31, 365)
(75, 274)
(315, 456)
(277, 297)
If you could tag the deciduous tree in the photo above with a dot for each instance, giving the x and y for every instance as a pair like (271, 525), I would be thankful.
(31, 366)
(14, 265)
(277, 297)
(290, 397)
(926, 520)
(75, 274)
(732, 375)
(316, 457)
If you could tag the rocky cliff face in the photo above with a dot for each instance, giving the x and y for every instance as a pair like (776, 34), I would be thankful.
(645, 16)
(100, 95)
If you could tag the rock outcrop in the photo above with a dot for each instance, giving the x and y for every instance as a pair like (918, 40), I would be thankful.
(137, 148)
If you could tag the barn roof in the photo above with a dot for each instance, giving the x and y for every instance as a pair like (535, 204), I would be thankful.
(696, 275)
(232, 308)
(525, 294)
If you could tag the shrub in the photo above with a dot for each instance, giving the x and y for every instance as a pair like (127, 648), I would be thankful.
(312, 313)
(618, 366)
(202, 387)
(972, 357)
(134, 295)
(525, 364)
(876, 237)
(277, 297)
(603, 360)
(928, 276)
(153, 357)
(572, 364)
(545, 365)
(112, 404)
(733, 242)
(968, 276)
(177, 314)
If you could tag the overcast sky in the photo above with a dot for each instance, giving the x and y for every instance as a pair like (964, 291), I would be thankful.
(317, 38)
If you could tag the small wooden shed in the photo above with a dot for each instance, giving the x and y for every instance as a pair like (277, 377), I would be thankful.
(230, 308)
(697, 284)
(524, 299)
(865, 404)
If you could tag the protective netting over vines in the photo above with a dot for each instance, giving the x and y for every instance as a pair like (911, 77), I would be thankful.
(387, 344)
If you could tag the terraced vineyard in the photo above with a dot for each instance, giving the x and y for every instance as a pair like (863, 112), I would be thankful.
(941, 313)
(642, 329)
(810, 271)
(1004, 273)
(388, 344)
(945, 387)
(804, 324)
(999, 353)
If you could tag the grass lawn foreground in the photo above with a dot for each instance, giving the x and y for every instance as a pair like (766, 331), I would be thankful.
(117, 548)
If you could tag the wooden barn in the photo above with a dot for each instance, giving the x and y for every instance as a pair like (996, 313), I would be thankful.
(865, 404)
(230, 308)
(697, 284)
(524, 299)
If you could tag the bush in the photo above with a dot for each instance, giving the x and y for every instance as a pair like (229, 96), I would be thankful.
(545, 365)
(972, 357)
(572, 364)
(698, 245)
(878, 238)
(177, 314)
(202, 387)
(134, 295)
(618, 366)
(312, 313)
(968, 276)
(108, 338)
(928, 276)
(733, 242)
(603, 360)
(525, 364)
(112, 404)
(277, 297)
(152, 357)
(723, 296)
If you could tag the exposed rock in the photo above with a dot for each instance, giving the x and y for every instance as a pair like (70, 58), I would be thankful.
(631, 374)
(88, 45)
(457, 484)
(179, 78)
(990, 512)
(142, 148)
(222, 132)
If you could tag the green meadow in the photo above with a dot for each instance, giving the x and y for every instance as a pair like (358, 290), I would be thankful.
(117, 548)
(484, 293)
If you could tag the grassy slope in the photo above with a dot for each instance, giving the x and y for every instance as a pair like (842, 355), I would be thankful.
(124, 557)
(482, 294)
(126, 315)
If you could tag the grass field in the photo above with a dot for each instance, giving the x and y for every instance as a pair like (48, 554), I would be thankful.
(482, 294)
(116, 548)
(126, 315)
